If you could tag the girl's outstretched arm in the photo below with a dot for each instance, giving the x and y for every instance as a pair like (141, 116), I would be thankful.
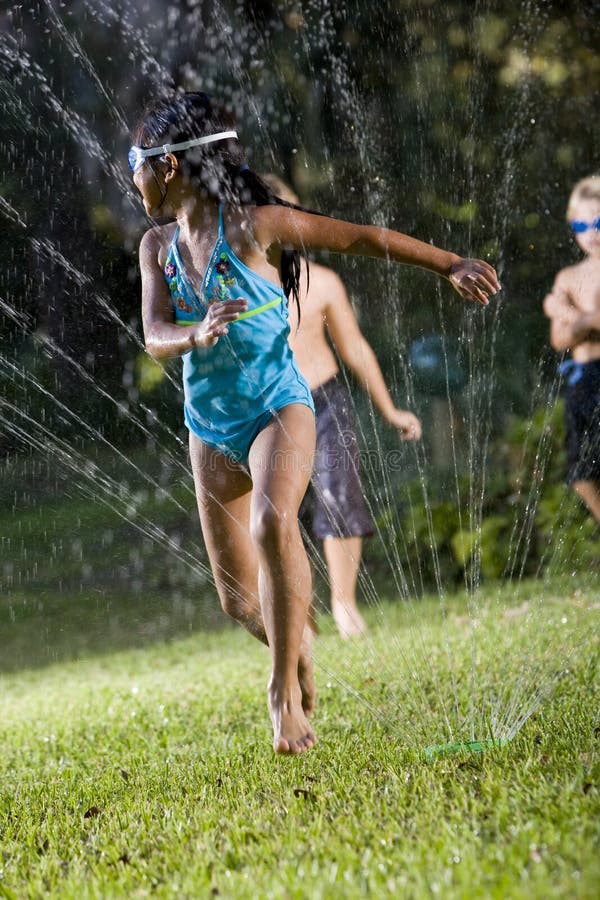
(280, 227)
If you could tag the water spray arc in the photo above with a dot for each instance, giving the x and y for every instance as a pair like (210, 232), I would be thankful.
(457, 701)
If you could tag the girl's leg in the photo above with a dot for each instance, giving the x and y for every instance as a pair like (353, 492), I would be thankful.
(343, 560)
(223, 490)
(280, 464)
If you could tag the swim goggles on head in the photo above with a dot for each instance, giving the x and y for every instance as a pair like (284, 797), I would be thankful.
(580, 227)
(137, 155)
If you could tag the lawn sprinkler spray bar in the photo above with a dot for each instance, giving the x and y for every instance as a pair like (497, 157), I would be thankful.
(463, 747)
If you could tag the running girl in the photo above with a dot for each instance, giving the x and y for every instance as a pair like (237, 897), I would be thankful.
(225, 270)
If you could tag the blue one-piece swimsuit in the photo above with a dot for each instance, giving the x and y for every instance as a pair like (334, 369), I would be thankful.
(233, 389)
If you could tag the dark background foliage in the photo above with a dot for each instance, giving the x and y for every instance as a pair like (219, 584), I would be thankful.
(463, 123)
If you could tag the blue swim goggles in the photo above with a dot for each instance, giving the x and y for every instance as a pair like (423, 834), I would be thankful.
(138, 155)
(581, 227)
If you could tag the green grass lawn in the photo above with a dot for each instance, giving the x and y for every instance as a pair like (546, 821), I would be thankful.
(149, 772)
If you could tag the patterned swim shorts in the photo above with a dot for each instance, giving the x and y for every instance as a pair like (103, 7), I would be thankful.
(334, 502)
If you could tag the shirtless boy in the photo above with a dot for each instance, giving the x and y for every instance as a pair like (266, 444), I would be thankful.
(339, 514)
(573, 307)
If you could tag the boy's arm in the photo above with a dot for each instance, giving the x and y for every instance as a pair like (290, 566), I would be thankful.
(357, 354)
(569, 326)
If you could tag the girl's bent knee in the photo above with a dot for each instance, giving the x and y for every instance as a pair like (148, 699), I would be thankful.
(270, 528)
(233, 606)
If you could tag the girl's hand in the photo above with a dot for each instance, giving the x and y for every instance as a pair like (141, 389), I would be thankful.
(407, 424)
(216, 322)
(474, 279)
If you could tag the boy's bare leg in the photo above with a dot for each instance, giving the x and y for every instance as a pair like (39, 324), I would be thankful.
(343, 559)
(589, 493)
(280, 464)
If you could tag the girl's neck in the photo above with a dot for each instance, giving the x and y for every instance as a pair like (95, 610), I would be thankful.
(197, 215)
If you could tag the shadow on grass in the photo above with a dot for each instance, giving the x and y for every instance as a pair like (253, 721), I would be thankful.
(41, 630)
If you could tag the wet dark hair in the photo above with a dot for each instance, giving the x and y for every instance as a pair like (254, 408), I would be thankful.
(219, 168)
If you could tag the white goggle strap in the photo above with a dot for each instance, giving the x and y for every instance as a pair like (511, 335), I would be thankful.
(195, 142)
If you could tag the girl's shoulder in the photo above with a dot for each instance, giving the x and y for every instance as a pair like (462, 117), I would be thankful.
(157, 240)
(270, 212)
(272, 223)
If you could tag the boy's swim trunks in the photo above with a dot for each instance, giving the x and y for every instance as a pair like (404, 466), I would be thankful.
(335, 501)
(582, 407)
(232, 390)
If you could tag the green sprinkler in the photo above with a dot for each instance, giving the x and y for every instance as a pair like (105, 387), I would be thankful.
(463, 747)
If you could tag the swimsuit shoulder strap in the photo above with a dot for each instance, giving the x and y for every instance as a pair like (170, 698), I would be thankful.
(173, 251)
(221, 228)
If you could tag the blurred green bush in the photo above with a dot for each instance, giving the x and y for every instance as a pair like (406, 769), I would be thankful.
(525, 522)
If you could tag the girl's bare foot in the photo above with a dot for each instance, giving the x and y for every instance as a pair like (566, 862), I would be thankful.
(349, 621)
(292, 733)
(306, 675)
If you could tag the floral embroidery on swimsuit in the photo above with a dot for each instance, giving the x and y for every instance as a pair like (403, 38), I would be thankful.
(219, 290)
(175, 288)
(171, 276)
(224, 279)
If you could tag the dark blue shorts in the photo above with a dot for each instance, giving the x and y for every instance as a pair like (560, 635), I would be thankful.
(582, 407)
(334, 504)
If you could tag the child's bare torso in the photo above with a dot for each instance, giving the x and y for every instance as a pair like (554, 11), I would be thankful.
(582, 284)
(313, 354)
